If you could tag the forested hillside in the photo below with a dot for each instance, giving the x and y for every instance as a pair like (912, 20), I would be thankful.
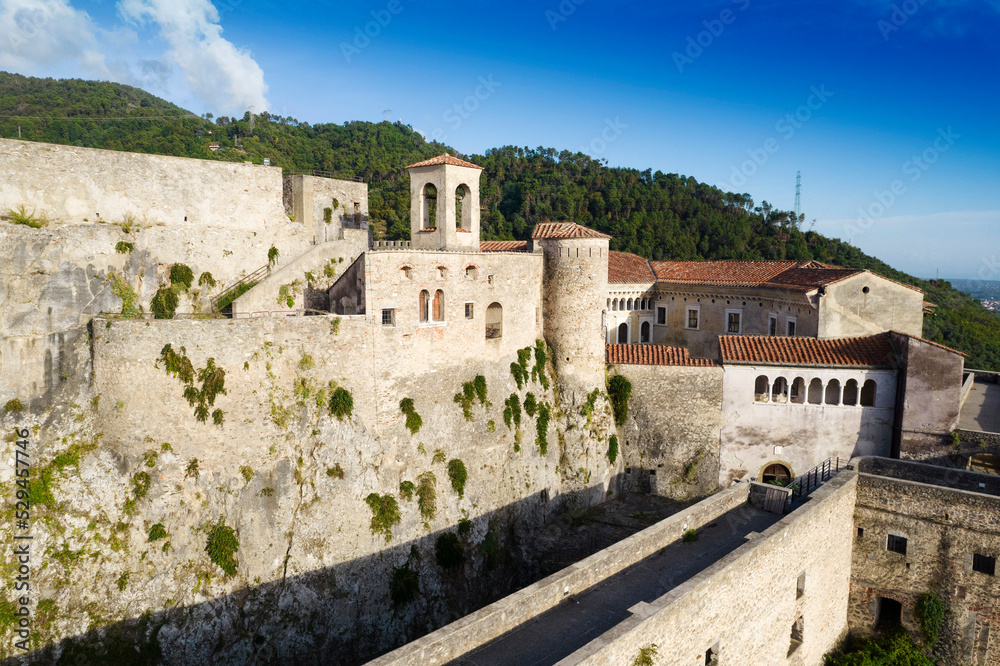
(656, 215)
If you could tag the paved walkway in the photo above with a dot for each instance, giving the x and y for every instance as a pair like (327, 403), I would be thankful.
(558, 633)
(982, 408)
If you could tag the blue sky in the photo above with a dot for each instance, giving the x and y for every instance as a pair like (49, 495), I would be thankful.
(889, 109)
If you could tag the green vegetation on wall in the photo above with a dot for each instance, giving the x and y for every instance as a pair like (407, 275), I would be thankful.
(385, 514)
(612, 449)
(449, 551)
(164, 303)
(405, 584)
(427, 495)
(542, 428)
(222, 546)
(458, 475)
(211, 378)
(341, 403)
(413, 420)
(646, 656)
(620, 391)
(930, 611)
(181, 276)
(896, 649)
(512, 411)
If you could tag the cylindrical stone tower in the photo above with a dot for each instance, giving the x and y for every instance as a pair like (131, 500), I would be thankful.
(574, 290)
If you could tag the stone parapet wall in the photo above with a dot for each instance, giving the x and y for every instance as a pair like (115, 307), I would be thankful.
(479, 628)
(746, 603)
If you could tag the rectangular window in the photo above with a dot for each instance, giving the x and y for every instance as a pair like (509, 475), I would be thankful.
(896, 544)
(734, 321)
(772, 324)
(388, 317)
(661, 316)
(800, 585)
(469, 310)
(984, 564)
(790, 326)
(692, 318)
(861, 532)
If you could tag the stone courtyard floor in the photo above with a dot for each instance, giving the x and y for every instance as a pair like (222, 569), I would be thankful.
(556, 634)
(982, 408)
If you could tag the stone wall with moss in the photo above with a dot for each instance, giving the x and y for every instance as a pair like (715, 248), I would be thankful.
(336, 521)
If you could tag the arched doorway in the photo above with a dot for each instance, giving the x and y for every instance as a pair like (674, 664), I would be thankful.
(777, 473)
(623, 334)
(644, 332)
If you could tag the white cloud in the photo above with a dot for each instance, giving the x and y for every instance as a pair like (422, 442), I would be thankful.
(222, 76)
(37, 34)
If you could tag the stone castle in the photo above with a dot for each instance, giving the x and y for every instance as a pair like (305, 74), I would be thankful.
(740, 373)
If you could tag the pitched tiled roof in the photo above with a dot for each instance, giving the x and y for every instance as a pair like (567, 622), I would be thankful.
(654, 355)
(445, 159)
(625, 268)
(802, 276)
(503, 246)
(873, 351)
(565, 230)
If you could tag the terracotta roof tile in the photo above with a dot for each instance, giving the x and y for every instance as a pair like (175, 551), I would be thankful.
(625, 268)
(874, 351)
(565, 230)
(654, 355)
(503, 246)
(444, 159)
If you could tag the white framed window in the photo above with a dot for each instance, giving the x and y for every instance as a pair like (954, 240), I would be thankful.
(661, 315)
(734, 321)
(692, 319)
(469, 311)
(772, 324)
(790, 326)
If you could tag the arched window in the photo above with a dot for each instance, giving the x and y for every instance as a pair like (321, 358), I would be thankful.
(761, 388)
(833, 392)
(623, 334)
(609, 304)
(868, 393)
(614, 304)
(816, 392)
(629, 305)
(424, 306)
(438, 309)
(798, 395)
(779, 393)
(442, 272)
(463, 212)
(429, 218)
(471, 272)
(644, 332)
(776, 472)
(851, 392)
(407, 272)
(494, 321)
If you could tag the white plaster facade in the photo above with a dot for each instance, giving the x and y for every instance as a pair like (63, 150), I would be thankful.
(787, 427)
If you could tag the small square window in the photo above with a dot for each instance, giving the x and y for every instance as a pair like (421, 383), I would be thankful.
(661, 316)
(469, 310)
(388, 317)
(984, 564)
(896, 544)
(861, 532)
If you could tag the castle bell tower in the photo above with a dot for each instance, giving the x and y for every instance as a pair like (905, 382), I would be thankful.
(574, 290)
(444, 204)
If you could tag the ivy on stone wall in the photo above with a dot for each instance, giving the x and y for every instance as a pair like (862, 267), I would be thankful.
(542, 428)
(512, 411)
(124, 291)
(449, 551)
(211, 378)
(530, 404)
(538, 372)
(613, 449)
(164, 303)
(341, 403)
(427, 495)
(385, 514)
(620, 391)
(206, 279)
(405, 583)
(930, 611)
(181, 276)
(646, 656)
(122, 247)
(413, 420)
(406, 489)
(458, 475)
(222, 546)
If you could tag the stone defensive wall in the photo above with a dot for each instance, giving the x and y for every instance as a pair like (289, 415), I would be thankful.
(491, 622)
(671, 437)
(75, 185)
(921, 529)
(744, 606)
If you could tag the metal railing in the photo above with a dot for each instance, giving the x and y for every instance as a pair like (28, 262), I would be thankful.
(148, 316)
(253, 278)
(804, 484)
(322, 174)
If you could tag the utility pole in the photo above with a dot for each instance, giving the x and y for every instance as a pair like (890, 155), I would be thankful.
(798, 196)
